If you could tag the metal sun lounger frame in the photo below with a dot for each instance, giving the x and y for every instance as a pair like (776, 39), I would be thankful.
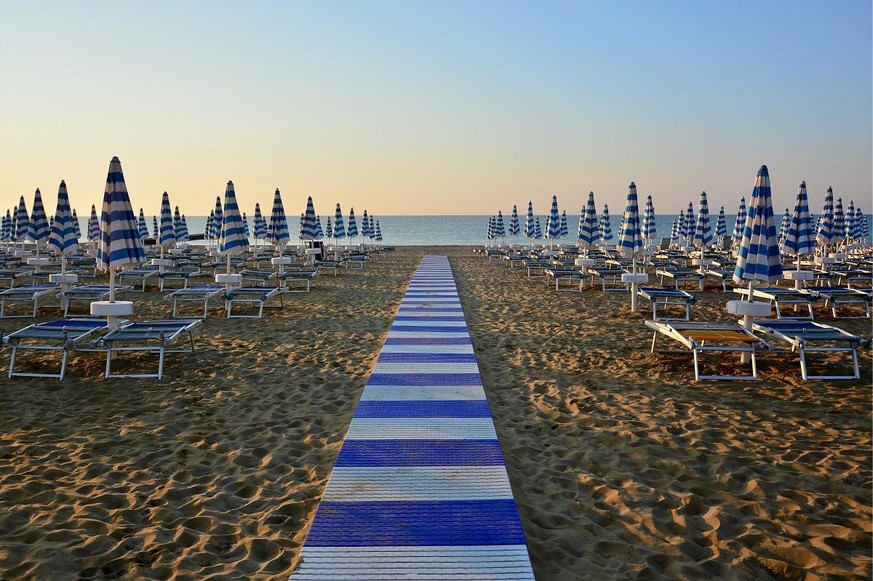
(88, 293)
(572, 277)
(836, 296)
(59, 335)
(195, 294)
(298, 278)
(137, 275)
(802, 335)
(31, 293)
(705, 337)
(668, 297)
(779, 297)
(681, 276)
(251, 294)
(610, 278)
(149, 336)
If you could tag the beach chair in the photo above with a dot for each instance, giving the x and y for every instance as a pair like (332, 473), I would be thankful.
(195, 294)
(566, 279)
(610, 278)
(138, 276)
(60, 335)
(257, 295)
(147, 336)
(298, 280)
(681, 276)
(331, 265)
(703, 338)
(779, 298)
(9, 276)
(809, 337)
(854, 278)
(354, 261)
(182, 276)
(28, 294)
(667, 298)
(837, 296)
(257, 276)
(88, 293)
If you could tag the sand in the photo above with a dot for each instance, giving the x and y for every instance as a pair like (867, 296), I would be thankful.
(622, 465)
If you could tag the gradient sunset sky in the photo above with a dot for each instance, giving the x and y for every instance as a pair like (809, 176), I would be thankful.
(445, 107)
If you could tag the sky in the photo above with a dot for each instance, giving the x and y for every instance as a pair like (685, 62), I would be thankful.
(436, 107)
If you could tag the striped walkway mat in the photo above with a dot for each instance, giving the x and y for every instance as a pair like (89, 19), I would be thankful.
(419, 489)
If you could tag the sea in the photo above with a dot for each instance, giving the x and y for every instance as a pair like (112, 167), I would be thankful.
(454, 230)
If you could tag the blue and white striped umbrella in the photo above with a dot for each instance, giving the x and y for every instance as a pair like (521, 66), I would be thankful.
(23, 227)
(185, 234)
(178, 227)
(681, 233)
(565, 227)
(630, 238)
(6, 229)
(650, 231)
(589, 232)
(860, 225)
(674, 229)
(799, 239)
(554, 222)
(155, 228)
(63, 239)
(246, 225)
(784, 224)
(690, 223)
(740, 224)
(720, 225)
(538, 231)
(233, 239)
(605, 225)
(260, 224)
(319, 230)
(308, 226)
(514, 229)
(499, 227)
(530, 228)
(339, 227)
(39, 221)
(371, 229)
(378, 232)
(365, 225)
(758, 258)
(328, 229)
(825, 235)
(167, 235)
(76, 225)
(142, 227)
(93, 225)
(277, 232)
(209, 226)
(489, 230)
(353, 225)
(120, 244)
(850, 219)
(217, 219)
(839, 220)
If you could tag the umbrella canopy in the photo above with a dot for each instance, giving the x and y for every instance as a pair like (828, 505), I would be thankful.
(538, 231)
(155, 228)
(167, 237)
(758, 258)
(720, 225)
(499, 227)
(650, 231)
(6, 229)
(514, 229)
(120, 244)
(39, 221)
(860, 224)
(825, 234)
(210, 226)
(278, 230)
(630, 239)
(260, 224)
(143, 228)
(565, 227)
(489, 231)
(320, 231)
(365, 225)
(63, 237)
(839, 220)
(245, 221)
(353, 224)
(529, 224)
(179, 228)
(339, 228)
(605, 225)
(589, 233)
(23, 227)
(783, 225)
(76, 225)
(308, 224)
(799, 237)
(233, 239)
(328, 229)
(553, 224)
(378, 232)
(217, 219)
(93, 225)
(850, 220)
(690, 223)
(740, 224)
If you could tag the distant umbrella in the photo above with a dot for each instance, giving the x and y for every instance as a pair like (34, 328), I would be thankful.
(318, 228)
(308, 224)
(328, 229)
(605, 225)
(142, 227)
(589, 232)
(209, 227)
(649, 229)
(39, 221)
(245, 221)
(529, 224)
(233, 239)
(6, 227)
(825, 233)
(553, 225)
(260, 224)
(741, 222)
(339, 228)
(156, 229)
(850, 219)
(538, 231)
(63, 239)
(23, 227)
(120, 244)
(758, 258)
(514, 229)
(674, 230)
(720, 226)
(499, 227)
(179, 228)
(277, 231)
(185, 233)
(489, 231)
(93, 225)
(784, 224)
(799, 238)
(565, 227)
(217, 219)
(378, 232)
(365, 225)
(353, 225)
(839, 220)
(167, 237)
(703, 228)
(681, 230)
(690, 224)
(76, 225)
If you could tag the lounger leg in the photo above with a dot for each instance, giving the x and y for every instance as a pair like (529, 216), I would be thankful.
(161, 363)
(654, 338)
(63, 364)
(107, 373)
(12, 359)
(754, 365)
(696, 365)
(804, 373)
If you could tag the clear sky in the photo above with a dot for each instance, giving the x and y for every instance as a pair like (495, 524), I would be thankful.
(443, 107)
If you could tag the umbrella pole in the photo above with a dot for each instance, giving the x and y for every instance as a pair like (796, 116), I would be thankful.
(633, 286)
(228, 263)
(111, 285)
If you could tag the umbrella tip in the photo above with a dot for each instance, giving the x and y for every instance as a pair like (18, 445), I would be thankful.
(632, 185)
(803, 184)
(764, 171)
(229, 182)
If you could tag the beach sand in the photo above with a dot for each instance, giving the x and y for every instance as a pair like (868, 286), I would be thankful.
(622, 465)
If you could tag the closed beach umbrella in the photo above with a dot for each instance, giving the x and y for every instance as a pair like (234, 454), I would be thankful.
(565, 227)
(850, 219)
(589, 232)
(308, 224)
(554, 222)
(39, 221)
(514, 228)
(680, 226)
(233, 238)
(720, 226)
(260, 224)
(365, 225)
(740, 224)
(353, 225)
(530, 228)
(76, 225)
(605, 226)
(783, 225)
(210, 226)
(120, 244)
(63, 239)
(650, 231)
(23, 228)
(319, 230)
(142, 226)
(179, 227)
(839, 221)
(246, 224)
(93, 225)
(861, 224)
(499, 227)
(217, 219)
(758, 258)
(489, 231)
(538, 231)
(825, 236)
(378, 232)
(277, 231)
(167, 235)
(156, 229)
(799, 237)
(674, 229)
(328, 229)
(6, 229)
(630, 239)
(690, 225)
(339, 227)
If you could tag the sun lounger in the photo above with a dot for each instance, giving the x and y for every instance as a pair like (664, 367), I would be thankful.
(179, 276)
(779, 297)
(195, 294)
(701, 338)
(331, 265)
(29, 293)
(88, 293)
(10, 276)
(536, 268)
(355, 261)
(668, 297)
(857, 278)
(149, 336)
(681, 276)
(137, 276)
(566, 279)
(60, 335)
(257, 276)
(810, 337)
(298, 279)
(836, 296)
(258, 295)
(721, 275)
(610, 278)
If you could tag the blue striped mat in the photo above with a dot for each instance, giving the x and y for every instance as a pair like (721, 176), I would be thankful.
(419, 489)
